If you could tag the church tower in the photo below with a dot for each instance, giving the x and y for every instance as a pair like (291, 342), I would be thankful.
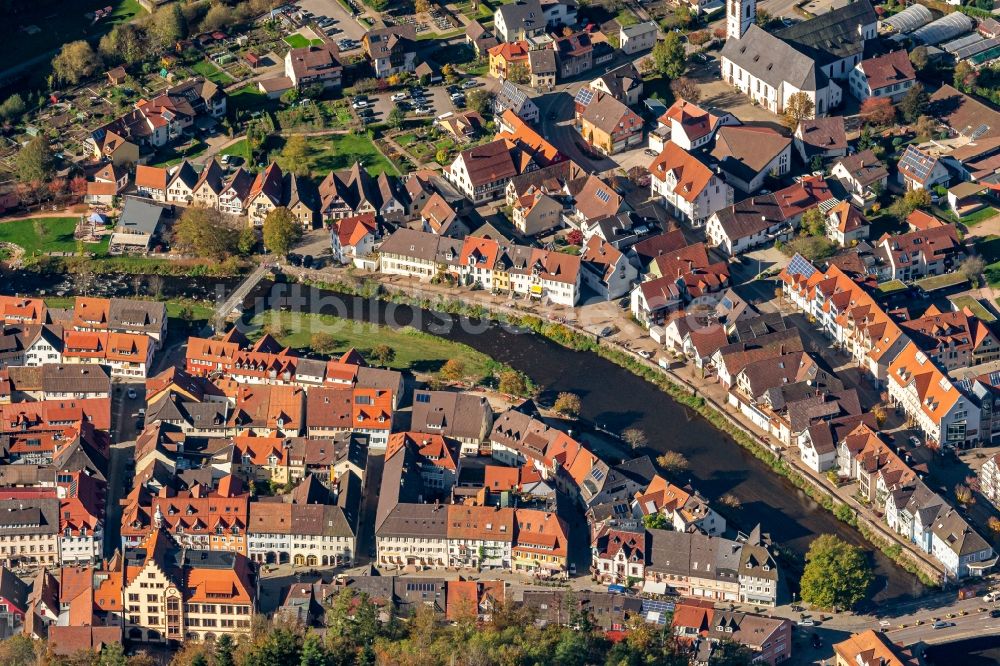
(740, 15)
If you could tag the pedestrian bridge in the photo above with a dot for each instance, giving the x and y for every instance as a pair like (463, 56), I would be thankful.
(235, 300)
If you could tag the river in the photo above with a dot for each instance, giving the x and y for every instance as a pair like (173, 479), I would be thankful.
(610, 397)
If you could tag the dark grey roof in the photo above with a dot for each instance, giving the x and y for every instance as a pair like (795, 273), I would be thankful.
(525, 14)
(133, 314)
(29, 516)
(140, 216)
(459, 415)
(75, 378)
(424, 521)
(773, 60)
(622, 80)
(833, 35)
(542, 61)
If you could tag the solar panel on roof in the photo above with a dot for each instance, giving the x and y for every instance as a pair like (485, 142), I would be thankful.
(585, 96)
(917, 163)
(603, 196)
(799, 265)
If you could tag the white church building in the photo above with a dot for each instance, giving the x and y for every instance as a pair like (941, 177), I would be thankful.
(808, 57)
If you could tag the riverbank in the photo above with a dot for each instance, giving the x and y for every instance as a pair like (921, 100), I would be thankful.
(679, 389)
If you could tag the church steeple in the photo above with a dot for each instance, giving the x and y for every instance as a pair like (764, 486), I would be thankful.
(740, 15)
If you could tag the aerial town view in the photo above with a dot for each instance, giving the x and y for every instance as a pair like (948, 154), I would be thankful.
(499, 332)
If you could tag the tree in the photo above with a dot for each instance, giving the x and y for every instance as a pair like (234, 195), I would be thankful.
(684, 88)
(925, 127)
(295, 155)
(480, 100)
(669, 57)
(673, 461)
(914, 103)
(656, 521)
(965, 76)
(699, 38)
(878, 111)
(836, 574)
(12, 108)
(634, 437)
(567, 404)
(421, 6)
(919, 59)
(453, 370)
(168, 26)
(994, 524)
(126, 43)
(76, 61)
(813, 248)
(205, 232)
(323, 343)
(383, 354)
(281, 231)
(799, 107)
(112, 654)
(764, 18)
(218, 16)
(719, 34)
(18, 650)
(441, 156)
(813, 222)
(396, 118)
(247, 241)
(519, 73)
(513, 382)
(972, 268)
(910, 202)
(964, 494)
(314, 653)
(34, 161)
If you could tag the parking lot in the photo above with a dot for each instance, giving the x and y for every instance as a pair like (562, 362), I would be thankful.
(438, 101)
(345, 25)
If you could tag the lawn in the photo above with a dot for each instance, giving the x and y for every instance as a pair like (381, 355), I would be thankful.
(989, 250)
(415, 350)
(211, 72)
(944, 281)
(171, 155)
(249, 98)
(977, 308)
(334, 152)
(298, 41)
(238, 149)
(45, 234)
(891, 287)
(980, 215)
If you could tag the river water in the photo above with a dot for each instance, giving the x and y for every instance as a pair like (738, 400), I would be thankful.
(611, 397)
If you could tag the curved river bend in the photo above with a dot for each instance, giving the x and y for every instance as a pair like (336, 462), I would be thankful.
(611, 397)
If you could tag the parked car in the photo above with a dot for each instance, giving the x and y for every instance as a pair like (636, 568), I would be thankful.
(398, 96)
(808, 622)
(941, 624)
(650, 152)
(990, 597)
(995, 613)
(471, 83)
(915, 441)
(360, 104)
(131, 394)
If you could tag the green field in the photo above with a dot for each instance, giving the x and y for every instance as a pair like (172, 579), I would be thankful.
(333, 152)
(45, 234)
(989, 249)
(980, 215)
(297, 41)
(170, 156)
(211, 72)
(239, 149)
(944, 281)
(415, 350)
(249, 98)
(891, 287)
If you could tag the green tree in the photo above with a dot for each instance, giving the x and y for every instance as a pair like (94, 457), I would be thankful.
(314, 653)
(113, 654)
(441, 156)
(567, 404)
(965, 76)
(295, 155)
(836, 574)
(656, 521)
(731, 653)
(281, 646)
(396, 118)
(76, 61)
(919, 59)
(669, 57)
(12, 108)
(34, 161)
(281, 231)
(813, 222)
(18, 650)
(518, 73)
(383, 354)
(799, 107)
(480, 100)
(914, 103)
(204, 232)
(247, 241)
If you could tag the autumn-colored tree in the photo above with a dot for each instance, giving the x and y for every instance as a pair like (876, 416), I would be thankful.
(699, 37)
(567, 404)
(673, 461)
(204, 232)
(964, 494)
(799, 107)
(78, 186)
(719, 33)
(383, 354)
(421, 6)
(634, 437)
(322, 342)
(75, 62)
(994, 524)
(453, 370)
(925, 128)
(878, 111)
(513, 382)
(965, 76)
(684, 88)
